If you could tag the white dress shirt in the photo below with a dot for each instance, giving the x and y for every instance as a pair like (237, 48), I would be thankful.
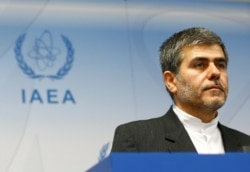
(206, 137)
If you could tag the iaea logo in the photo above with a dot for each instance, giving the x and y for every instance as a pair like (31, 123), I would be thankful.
(44, 54)
(41, 58)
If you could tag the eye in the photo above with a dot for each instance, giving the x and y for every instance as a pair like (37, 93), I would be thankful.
(221, 65)
(199, 65)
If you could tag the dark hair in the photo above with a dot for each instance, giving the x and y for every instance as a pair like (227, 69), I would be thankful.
(171, 50)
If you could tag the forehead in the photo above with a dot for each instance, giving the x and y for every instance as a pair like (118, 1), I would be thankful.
(206, 51)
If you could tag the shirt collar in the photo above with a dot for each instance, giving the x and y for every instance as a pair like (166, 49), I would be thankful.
(195, 124)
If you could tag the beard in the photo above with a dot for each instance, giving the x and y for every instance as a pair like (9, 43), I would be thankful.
(188, 95)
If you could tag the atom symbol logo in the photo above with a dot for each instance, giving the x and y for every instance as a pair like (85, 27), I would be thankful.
(44, 52)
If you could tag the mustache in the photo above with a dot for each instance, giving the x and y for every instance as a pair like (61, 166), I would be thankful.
(216, 85)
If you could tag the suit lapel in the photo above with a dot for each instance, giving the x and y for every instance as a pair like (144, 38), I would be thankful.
(230, 143)
(176, 137)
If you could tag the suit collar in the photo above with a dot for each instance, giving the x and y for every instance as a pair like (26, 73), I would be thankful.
(178, 139)
(176, 136)
(230, 143)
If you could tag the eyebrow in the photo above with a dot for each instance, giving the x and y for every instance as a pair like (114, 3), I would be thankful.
(218, 59)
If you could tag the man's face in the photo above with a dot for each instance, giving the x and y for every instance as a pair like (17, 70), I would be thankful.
(202, 81)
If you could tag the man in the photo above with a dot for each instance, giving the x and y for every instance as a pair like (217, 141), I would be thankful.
(194, 66)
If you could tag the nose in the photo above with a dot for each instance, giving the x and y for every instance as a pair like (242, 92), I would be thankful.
(213, 72)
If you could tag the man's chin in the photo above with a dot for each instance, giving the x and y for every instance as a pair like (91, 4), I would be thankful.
(215, 102)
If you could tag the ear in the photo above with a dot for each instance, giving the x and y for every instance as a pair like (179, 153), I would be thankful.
(169, 80)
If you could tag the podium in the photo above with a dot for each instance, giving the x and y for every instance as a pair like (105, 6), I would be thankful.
(164, 162)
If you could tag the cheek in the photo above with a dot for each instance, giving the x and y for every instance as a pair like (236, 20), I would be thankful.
(195, 80)
(224, 80)
(226, 86)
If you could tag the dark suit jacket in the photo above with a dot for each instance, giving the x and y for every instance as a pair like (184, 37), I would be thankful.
(167, 134)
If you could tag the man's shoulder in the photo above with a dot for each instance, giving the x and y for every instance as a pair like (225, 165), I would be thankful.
(142, 123)
(236, 134)
(160, 122)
